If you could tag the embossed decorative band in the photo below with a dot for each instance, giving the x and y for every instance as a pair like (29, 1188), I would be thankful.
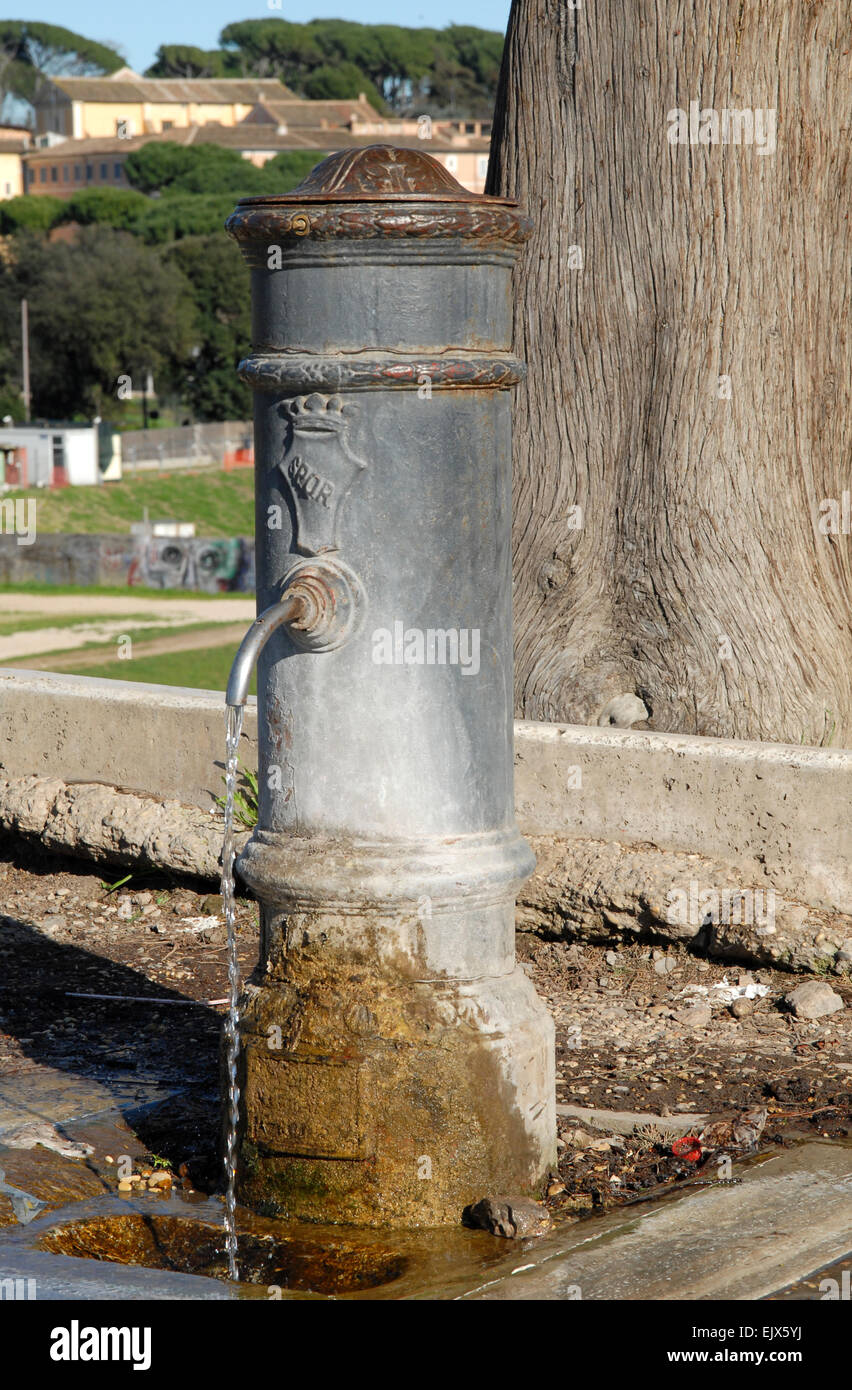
(293, 374)
(270, 222)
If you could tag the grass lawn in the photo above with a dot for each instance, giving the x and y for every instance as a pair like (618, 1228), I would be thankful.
(112, 591)
(220, 504)
(206, 669)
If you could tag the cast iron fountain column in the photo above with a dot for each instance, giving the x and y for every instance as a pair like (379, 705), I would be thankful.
(396, 1064)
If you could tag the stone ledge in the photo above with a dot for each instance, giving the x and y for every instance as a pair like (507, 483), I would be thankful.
(114, 827)
(601, 891)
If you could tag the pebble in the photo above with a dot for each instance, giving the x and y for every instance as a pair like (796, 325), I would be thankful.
(664, 965)
(579, 1139)
(695, 1016)
(510, 1216)
(813, 1000)
(54, 921)
(741, 1008)
(126, 910)
(611, 958)
(143, 899)
(125, 1185)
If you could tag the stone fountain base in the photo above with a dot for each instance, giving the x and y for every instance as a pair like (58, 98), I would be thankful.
(375, 1098)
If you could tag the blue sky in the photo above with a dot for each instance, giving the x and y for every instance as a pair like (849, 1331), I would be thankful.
(139, 29)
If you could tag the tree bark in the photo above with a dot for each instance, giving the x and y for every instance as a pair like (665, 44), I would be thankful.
(689, 386)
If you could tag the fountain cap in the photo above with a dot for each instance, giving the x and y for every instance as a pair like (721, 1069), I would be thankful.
(377, 192)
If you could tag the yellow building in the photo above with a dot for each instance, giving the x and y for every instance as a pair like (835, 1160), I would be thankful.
(125, 104)
(13, 143)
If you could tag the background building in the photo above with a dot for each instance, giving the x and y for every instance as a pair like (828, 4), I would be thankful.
(86, 128)
(84, 108)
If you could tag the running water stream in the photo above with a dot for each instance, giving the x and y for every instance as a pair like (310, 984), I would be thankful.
(233, 729)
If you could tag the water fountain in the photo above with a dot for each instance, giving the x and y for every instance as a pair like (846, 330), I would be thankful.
(394, 1064)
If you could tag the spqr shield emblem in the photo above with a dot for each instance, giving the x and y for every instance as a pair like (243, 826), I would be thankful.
(319, 468)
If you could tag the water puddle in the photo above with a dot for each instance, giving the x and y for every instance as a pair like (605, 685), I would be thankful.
(276, 1261)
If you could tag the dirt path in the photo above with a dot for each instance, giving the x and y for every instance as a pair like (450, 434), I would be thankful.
(188, 606)
(105, 619)
(224, 634)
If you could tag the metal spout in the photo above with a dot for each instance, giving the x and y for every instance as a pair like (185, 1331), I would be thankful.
(289, 610)
(322, 608)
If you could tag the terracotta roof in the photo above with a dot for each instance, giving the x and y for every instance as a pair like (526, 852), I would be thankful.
(112, 144)
(299, 112)
(255, 137)
(331, 138)
(221, 90)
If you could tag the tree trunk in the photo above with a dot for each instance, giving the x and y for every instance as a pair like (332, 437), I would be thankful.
(689, 386)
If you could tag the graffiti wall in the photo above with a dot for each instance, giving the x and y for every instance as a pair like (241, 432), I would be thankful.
(212, 566)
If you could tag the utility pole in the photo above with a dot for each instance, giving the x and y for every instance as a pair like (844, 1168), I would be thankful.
(25, 358)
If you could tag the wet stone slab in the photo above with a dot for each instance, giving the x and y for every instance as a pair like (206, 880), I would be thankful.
(784, 1217)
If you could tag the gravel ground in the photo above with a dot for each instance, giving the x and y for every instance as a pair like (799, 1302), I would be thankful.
(629, 1039)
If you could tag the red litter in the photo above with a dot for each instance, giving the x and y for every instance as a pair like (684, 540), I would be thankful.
(689, 1147)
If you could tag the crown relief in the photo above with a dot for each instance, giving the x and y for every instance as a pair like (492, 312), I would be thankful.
(316, 412)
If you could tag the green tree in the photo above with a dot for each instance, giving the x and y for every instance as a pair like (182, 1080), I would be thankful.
(271, 48)
(218, 281)
(169, 168)
(36, 212)
(455, 68)
(340, 82)
(101, 307)
(189, 215)
(196, 182)
(187, 61)
(11, 402)
(31, 53)
(112, 207)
